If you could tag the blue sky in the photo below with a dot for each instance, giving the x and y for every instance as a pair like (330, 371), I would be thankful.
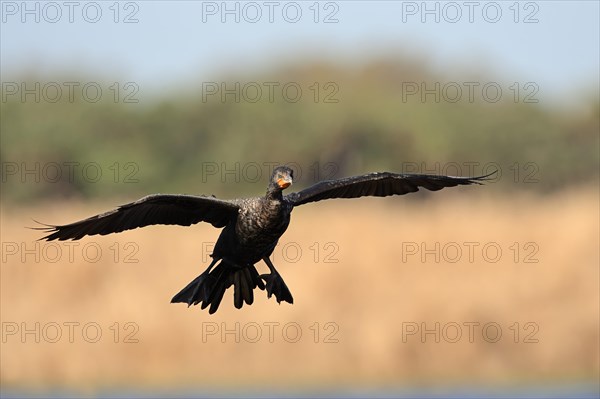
(553, 43)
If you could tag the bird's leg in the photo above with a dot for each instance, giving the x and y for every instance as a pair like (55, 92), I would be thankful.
(275, 284)
(201, 279)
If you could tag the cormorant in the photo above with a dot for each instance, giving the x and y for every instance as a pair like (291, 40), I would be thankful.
(251, 227)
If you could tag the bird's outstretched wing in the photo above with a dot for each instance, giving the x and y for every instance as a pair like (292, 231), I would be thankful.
(380, 184)
(183, 210)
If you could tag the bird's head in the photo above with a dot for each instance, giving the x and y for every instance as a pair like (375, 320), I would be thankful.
(281, 178)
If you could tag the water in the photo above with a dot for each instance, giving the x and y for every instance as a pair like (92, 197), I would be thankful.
(582, 391)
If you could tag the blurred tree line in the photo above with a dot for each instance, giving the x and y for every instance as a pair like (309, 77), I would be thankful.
(326, 121)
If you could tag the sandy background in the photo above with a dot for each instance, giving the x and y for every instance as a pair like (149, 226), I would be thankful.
(360, 285)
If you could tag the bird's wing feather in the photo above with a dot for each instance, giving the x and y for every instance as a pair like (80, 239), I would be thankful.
(380, 184)
(183, 210)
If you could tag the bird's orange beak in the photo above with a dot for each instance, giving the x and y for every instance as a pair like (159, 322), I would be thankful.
(283, 183)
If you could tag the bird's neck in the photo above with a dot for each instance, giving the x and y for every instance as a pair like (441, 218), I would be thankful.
(274, 195)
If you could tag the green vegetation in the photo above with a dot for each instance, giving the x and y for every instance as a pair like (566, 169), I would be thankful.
(173, 144)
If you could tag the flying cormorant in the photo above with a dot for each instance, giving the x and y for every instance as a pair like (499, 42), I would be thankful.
(251, 227)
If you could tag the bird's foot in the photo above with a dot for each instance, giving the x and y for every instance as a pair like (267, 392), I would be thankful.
(275, 285)
(197, 291)
(202, 290)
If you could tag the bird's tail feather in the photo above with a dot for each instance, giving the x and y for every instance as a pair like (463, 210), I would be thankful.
(209, 288)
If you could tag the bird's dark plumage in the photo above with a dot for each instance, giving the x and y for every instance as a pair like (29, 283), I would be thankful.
(183, 210)
(377, 185)
(251, 227)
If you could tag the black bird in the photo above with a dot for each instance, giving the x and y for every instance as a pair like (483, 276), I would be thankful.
(251, 227)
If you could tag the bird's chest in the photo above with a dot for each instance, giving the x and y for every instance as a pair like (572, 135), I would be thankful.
(262, 223)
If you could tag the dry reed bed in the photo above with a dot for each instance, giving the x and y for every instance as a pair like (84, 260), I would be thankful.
(371, 298)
